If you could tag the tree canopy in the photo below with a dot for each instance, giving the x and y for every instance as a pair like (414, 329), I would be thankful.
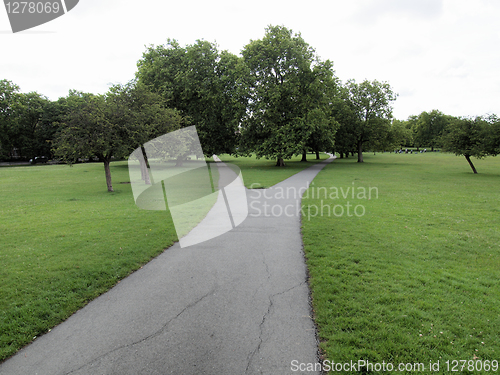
(112, 125)
(428, 129)
(466, 136)
(371, 102)
(290, 91)
(206, 85)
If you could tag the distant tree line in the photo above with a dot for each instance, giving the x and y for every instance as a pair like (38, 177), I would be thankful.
(278, 99)
(467, 136)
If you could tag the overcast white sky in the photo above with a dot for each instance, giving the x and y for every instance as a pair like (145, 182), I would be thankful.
(436, 54)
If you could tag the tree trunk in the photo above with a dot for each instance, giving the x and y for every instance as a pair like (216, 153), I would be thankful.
(178, 161)
(470, 163)
(280, 162)
(341, 155)
(360, 152)
(144, 167)
(317, 155)
(304, 156)
(108, 174)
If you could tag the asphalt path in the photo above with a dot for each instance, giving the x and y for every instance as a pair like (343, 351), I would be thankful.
(236, 304)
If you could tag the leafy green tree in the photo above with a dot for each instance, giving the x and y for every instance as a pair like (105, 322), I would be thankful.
(8, 97)
(26, 132)
(112, 125)
(289, 97)
(22, 121)
(206, 85)
(321, 96)
(345, 140)
(428, 129)
(467, 137)
(492, 142)
(48, 126)
(86, 132)
(397, 135)
(400, 134)
(371, 102)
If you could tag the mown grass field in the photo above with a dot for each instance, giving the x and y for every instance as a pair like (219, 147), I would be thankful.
(64, 239)
(415, 277)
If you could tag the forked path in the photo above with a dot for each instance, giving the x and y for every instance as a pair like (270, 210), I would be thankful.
(236, 304)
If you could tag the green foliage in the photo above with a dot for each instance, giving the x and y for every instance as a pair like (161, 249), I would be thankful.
(345, 137)
(428, 129)
(415, 278)
(398, 136)
(492, 141)
(371, 104)
(8, 92)
(139, 115)
(289, 96)
(467, 137)
(86, 132)
(206, 85)
(22, 122)
(322, 96)
(112, 125)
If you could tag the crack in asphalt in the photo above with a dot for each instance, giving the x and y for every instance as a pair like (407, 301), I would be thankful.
(264, 317)
(154, 334)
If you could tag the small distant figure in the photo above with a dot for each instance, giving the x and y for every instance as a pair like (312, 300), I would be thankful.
(425, 150)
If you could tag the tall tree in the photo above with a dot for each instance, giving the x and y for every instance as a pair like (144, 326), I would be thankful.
(286, 107)
(371, 102)
(86, 132)
(321, 97)
(345, 137)
(204, 84)
(467, 137)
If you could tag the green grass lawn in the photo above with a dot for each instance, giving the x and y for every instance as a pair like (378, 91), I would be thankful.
(413, 274)
(65, 239)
